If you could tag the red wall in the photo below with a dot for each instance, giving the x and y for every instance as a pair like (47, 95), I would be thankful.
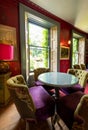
(65, 36)
(9, 15)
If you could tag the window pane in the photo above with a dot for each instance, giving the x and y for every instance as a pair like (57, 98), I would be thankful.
(39, 57)
(38, 36)
(38, 46)
(75, 51)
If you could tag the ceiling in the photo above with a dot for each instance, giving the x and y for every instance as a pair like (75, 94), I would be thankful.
(74, 12)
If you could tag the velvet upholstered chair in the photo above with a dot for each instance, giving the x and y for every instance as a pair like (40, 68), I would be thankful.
(33, 103)
(83, 66)
(39, 71)
(73, 110)
(82, 76)
(76, 66)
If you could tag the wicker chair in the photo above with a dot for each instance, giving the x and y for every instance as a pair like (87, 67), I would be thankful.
(33, 103)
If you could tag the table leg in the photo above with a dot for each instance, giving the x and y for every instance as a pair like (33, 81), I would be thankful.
(55, 119)
(56, 93)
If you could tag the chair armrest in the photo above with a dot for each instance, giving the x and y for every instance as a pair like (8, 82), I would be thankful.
(81, 112)
(78, 123)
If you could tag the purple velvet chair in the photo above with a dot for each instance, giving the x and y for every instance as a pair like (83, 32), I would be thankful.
(82, 76)
(39, 71)
(33, 103)
(66, 107)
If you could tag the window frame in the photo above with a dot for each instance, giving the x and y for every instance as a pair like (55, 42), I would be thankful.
(48, 21)
(48, 47)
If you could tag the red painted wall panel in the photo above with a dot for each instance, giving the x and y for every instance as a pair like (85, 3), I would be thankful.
(65, 37)
(65, 64)
(9, 15)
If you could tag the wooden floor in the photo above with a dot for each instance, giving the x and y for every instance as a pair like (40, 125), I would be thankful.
(10, 120)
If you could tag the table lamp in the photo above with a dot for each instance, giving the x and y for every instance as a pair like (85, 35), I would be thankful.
(6, 54)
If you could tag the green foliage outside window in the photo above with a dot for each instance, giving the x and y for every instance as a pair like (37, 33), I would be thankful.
(75, 51)
(38, 46)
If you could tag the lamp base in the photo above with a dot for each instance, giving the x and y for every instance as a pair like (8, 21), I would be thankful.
(4, 67)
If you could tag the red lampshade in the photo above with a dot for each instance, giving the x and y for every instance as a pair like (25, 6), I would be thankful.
(6, 52)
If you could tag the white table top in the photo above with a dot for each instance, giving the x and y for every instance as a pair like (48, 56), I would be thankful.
(58, 79)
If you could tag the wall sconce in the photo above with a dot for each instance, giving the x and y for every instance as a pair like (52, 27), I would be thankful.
(69, 42)
(6, 54)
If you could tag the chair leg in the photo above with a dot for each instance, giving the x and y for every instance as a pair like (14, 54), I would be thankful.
(28, 121)
(52, 122)
(27, 125)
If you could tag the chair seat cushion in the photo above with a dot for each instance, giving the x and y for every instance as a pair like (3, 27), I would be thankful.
(43, 102)
(72, 89)
(86, 89)
(66, 106)
(38, 83)
(46, 87)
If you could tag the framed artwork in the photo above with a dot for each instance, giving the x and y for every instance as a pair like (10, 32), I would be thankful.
(8, 36)
(64, 52)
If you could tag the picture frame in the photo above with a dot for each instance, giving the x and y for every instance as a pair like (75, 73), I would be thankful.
(8, 36)
(64, 52)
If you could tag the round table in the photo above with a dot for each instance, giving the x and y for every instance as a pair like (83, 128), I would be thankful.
(58, 80)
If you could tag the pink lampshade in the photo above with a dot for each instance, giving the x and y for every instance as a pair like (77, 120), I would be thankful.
(6, 52)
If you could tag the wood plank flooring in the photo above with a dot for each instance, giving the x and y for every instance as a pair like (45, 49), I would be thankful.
(10, 120)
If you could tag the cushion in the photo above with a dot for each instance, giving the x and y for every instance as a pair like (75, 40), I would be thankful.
(46, 87)
(38, 83)
(86, 89)
(75, 88)
(43, 101)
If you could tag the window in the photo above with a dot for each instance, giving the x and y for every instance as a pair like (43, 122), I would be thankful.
(78, 48)
(38, 46)
(49, 50)
(75, 51)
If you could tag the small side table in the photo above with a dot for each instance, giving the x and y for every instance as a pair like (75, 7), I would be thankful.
(4, 93)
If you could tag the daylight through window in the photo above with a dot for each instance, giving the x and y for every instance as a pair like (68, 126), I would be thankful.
(38, 46)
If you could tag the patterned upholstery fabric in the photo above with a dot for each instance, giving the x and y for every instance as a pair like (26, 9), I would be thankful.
(76, 66)
(77, 126)
(82, 113)
(82, 75)
(39, 71)
(21, 96)
(32, 103)
(83, 66)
